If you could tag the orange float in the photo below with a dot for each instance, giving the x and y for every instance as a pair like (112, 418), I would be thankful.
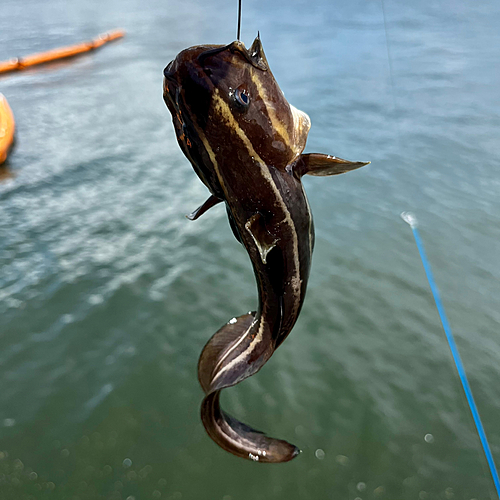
(20, 63)
(7, 128)
(7, 123)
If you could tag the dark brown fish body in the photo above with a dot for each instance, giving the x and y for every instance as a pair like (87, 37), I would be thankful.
(245, 141)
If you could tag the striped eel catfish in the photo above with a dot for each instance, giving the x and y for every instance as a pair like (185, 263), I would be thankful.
(245, 142)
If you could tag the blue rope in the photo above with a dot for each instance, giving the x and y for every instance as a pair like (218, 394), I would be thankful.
(412, 221)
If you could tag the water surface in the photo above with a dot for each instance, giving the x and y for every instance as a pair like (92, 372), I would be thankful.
(108, 294)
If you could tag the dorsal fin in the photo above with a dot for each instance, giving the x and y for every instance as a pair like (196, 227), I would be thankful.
(257, 54)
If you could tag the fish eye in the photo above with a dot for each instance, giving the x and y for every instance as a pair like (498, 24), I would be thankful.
(242, 97)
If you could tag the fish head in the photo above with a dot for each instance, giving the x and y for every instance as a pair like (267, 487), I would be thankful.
(225, 100)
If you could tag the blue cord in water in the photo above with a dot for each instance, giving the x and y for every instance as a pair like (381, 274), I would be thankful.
(411, 220)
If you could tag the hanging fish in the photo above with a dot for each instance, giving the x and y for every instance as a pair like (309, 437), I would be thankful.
(245, 142)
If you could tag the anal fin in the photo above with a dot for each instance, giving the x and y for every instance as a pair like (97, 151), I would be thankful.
(224, 340)
(211, 202)
(264, 240)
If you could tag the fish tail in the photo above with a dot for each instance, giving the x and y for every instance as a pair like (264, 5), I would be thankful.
(237, 351)
(240, 439)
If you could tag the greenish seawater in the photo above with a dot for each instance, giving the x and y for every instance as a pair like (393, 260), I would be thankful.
(108, 293)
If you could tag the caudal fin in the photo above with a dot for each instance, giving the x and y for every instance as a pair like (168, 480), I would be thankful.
(240, 439)
(238, 350)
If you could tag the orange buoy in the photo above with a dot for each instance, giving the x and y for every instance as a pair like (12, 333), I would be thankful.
(7, 128)
(21, 63)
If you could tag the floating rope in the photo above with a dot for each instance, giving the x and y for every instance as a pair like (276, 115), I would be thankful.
(20, 63)
(412, 221)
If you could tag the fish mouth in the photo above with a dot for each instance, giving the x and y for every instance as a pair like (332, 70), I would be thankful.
(170, 85)
(169, 74)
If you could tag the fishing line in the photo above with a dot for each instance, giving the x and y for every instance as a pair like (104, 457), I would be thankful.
(238, 33)
(412, 221)
(389, 58)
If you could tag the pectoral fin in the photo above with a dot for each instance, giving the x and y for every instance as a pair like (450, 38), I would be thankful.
(319, 164)
(264, 240)
(211, 202)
